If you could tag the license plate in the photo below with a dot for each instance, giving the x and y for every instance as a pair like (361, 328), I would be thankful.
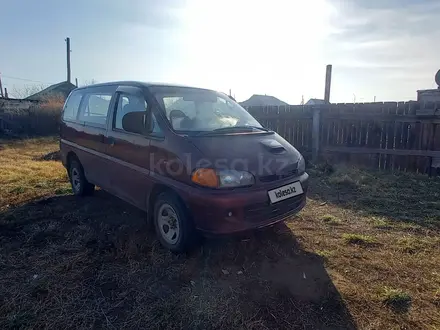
(285, 192)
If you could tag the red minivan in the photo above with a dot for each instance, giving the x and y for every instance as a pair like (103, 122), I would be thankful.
(192, 158)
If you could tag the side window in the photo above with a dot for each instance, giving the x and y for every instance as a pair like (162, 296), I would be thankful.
(126, 104)
(95, 108)
(72, 105)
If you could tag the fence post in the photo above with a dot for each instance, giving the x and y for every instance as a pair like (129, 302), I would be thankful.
(315, 133)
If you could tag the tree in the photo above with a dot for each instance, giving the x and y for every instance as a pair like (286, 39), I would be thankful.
(89, 82)
(26, 90)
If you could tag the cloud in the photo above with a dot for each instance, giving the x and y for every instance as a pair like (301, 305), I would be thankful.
(387, 47)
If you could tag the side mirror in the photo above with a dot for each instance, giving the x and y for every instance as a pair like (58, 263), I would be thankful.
(137, 122)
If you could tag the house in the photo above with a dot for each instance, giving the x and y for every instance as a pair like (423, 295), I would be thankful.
(315, 102)
(262, 100)
(14, 105)
(62, 89)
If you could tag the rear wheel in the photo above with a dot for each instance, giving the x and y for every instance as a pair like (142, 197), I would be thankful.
(80, 185)
(172, 223)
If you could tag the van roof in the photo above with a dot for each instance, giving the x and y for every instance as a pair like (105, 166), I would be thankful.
(138, 84)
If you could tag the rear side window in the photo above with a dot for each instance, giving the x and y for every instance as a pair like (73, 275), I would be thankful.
(94, 108)
(72, 106)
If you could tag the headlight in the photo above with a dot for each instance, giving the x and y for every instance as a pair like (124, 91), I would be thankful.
(301, 165)
(232, 178)
(222, 178)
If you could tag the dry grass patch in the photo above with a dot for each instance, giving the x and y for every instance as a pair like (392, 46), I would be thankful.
(330, 219)
(397, 299)
(22, 177)
(359, 239)
(381, 223)
(413, 244)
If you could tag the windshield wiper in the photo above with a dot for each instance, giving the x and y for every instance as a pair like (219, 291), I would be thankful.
(244, 128)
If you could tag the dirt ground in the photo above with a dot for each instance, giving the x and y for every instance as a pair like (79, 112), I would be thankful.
(363, 254)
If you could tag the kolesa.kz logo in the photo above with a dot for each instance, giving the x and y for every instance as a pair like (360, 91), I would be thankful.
(281, 193)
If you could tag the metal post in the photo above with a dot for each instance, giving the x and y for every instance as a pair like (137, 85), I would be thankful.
(315, 133)
(1, 87)
(328, 82)
(68, 59)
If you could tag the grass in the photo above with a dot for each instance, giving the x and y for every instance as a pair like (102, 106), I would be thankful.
(358, 239)
(396, 299)
(414, 244)
(92, 263)
(381, 223)
(326, 254)
(330, 219)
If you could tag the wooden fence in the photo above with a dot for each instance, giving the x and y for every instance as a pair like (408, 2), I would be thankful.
(29, 118)
(401, 136)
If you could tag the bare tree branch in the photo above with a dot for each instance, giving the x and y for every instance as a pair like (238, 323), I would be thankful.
(89, 82)
(26, 90)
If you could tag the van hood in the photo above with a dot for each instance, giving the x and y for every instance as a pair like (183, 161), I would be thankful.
(266, 156)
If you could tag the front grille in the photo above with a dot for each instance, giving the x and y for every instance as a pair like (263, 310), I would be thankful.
(266, 211)
(275, 177)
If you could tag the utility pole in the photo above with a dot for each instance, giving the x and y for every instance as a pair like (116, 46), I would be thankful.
(68, 58)
(328, 82)
(1, 87)
(6, 93)
(76, 82)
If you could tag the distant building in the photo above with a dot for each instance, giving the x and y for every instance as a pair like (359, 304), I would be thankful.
(62, 89)
(315, 102)
(11, 105)
(262, 100)
(428, 95)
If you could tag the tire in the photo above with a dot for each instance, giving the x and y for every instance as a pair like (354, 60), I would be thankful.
(80, 185)
(169, 212)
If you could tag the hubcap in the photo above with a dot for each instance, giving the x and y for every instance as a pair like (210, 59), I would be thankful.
(168, 224)
(76, 182)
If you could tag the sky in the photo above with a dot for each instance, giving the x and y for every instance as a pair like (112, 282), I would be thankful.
(380, 49)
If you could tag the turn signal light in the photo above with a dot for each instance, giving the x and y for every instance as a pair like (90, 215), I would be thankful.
(206, 177)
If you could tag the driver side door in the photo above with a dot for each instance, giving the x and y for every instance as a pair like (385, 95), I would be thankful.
(129, 152)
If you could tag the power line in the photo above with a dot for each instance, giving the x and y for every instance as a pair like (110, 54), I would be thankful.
(24, 79)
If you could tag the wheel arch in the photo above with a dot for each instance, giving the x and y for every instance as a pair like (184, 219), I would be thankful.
(158, 189)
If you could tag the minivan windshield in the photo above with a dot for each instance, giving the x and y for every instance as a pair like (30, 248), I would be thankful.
(193, 110)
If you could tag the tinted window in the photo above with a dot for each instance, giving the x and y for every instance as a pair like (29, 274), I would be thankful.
(95, 108)
(72, 105)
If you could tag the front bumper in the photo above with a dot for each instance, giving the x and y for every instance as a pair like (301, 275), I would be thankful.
(229, 212)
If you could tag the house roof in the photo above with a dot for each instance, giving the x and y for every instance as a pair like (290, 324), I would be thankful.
(262, 100)
(63, 88)
(315, 102)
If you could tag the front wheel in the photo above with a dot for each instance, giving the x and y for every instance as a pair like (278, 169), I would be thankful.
(173, 224)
